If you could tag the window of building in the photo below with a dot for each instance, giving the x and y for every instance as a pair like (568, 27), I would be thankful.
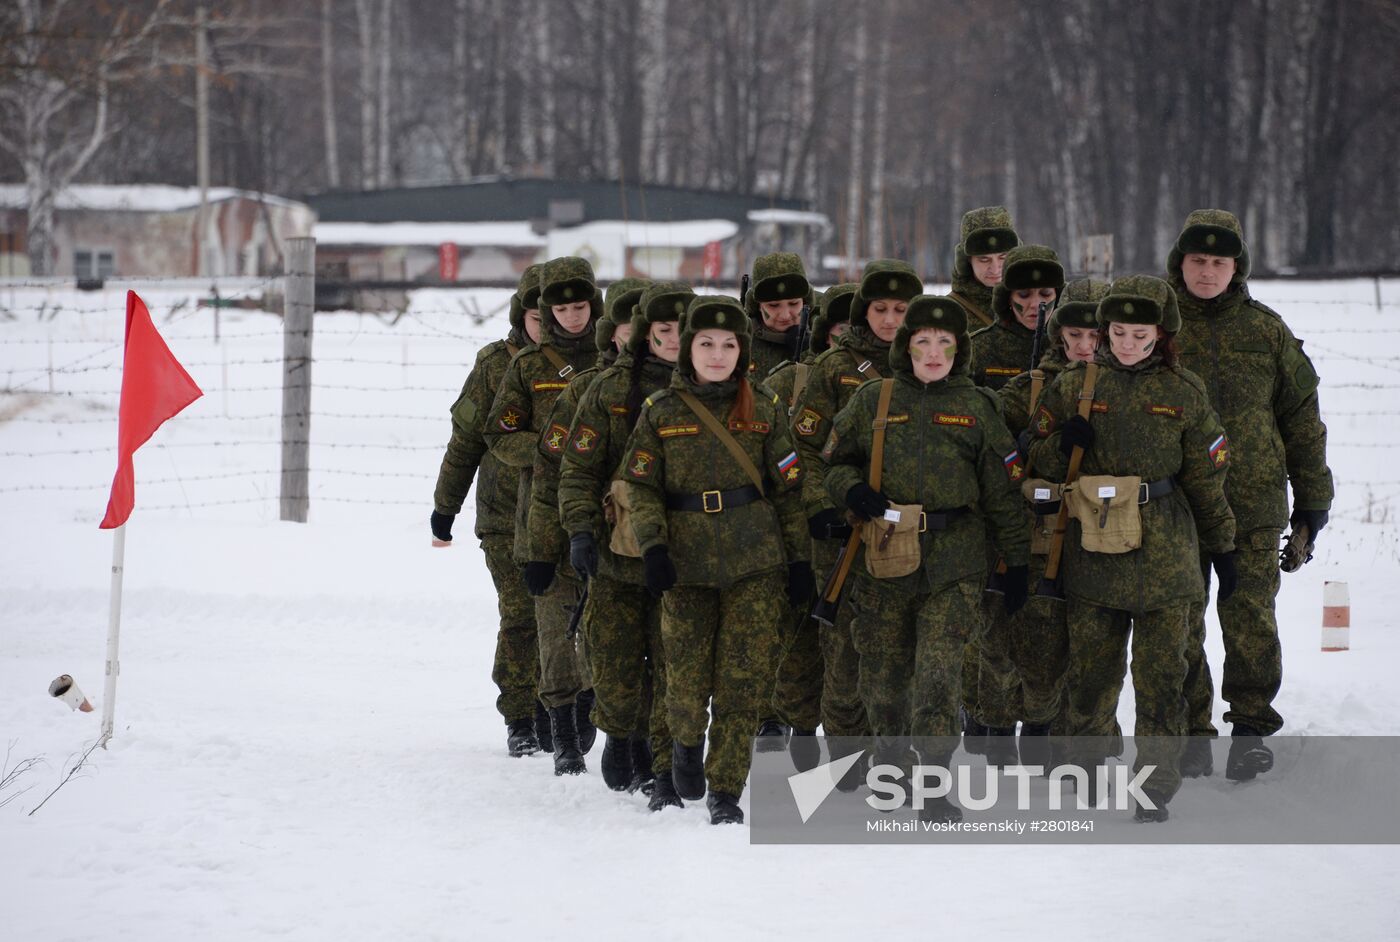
(93, 263)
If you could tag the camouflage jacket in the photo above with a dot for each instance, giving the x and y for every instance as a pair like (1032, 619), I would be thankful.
(467, 458)
(1150, 422)
(594, 446)
(854, 358)
(1264, 388)
(1015, 396)
(946, 448)
(545, 536)
(671, 452)
(521, 410)
(765, 354)
(1000, 352)
(783, 379)
(976, 300)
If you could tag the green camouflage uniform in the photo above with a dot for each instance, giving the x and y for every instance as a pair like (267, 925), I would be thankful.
(719, 624)
(516, 668)
(853, 358)
(985, 231)
(622, 621)
(1153, 422)
(1004, 349)
(776, 277)
(1015, 669)
(518, 417)
(1265, 389)
(947, 450)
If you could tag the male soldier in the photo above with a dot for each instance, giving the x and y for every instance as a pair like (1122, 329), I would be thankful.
(986, 237)
(776, 298)
(1265, 390)
(623, 620)
(569, 305)
(860, 354)
(1032, 276)
(517, 665)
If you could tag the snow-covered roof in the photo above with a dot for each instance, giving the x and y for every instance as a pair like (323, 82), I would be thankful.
(689, 234)
(789, 217)
(135, 197)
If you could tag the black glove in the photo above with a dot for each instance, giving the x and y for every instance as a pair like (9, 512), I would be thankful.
(660, 571)
(1314, 520)
(802, 584)
(1224, 565)
(1077, 431)
(442, 526)
(828, 525)
(539, 576)
(1015, 588)
(583, 555)
(867, 502)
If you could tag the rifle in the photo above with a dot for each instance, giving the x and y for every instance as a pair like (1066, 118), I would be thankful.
(1297, 550)
(744, 289)
(804, 333)
(577, 615)
(1050, 583)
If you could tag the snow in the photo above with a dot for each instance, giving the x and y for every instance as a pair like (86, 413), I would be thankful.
(307, 746)
(428, 233)
(790, 217)
(138, 197)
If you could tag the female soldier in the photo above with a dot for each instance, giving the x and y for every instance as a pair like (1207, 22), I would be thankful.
(930, 442)
(1151, 491)
(1024, 657)
(622, 621)
(1032, 277)
(779, 293)
(714, 479)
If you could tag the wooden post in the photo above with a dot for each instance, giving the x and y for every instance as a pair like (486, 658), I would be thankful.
(298, 302)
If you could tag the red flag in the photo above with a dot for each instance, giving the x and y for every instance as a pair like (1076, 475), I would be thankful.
(154, 387)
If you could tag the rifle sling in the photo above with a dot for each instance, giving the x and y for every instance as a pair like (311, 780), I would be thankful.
(1057, 544)
(559, 363)
(877, 462)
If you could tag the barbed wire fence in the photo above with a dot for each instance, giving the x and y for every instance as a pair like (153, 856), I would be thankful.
(344, 449)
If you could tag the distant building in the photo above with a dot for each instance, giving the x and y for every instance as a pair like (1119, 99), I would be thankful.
(150, 230)
(489, 230)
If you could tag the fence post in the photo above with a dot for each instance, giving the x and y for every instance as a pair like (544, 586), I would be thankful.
(299, 295)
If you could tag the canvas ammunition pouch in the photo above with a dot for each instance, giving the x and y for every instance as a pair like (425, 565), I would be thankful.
(1106, 507)
(1044, 500)
(892, 549)
(617, 511)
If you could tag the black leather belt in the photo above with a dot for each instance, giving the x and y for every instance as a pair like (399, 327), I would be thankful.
(939, 519)
(1155, 490)
(712, 502)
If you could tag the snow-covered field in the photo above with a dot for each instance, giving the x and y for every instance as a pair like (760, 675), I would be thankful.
(306, 742)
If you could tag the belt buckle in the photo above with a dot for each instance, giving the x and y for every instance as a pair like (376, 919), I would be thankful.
(705, 502)
(923, 522)
(1143, 495)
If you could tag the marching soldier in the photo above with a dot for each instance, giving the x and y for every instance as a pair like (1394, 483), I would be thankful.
(986, 236)
(1265, 389)
(715, 489)
(1151, 492)
(776, 298)
(569, 306)
(924, 458)
(622, 619)
(1032, 276)
(517, 662)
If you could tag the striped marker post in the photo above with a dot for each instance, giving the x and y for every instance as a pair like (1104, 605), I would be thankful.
(1336, 617)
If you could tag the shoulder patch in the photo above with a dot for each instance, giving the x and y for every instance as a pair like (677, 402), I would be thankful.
(585, 439)
(556, 438)
(1044, 422)
(1174, 412)
(510, 420)
(790, 469)
(830, 448)
(1220, 452)
(674, 431)
(641, 463)
(807, 422)
(1015, 467)
(948, 418)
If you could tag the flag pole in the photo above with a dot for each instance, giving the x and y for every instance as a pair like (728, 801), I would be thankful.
(114, 621)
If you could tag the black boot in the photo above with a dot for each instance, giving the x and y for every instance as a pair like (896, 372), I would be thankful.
(974, 733)
(583, 720)
(688, 769)
(724, 808)
(520, 738)
(1001, 745)
(1151, 815)
(642, 777)
(804, 749)
(567, 759)
(1035, 745)
(855, 775)
(772, 736)
(543, 731)
(663, 794)
(1248, 754)
(1196, 760)
(617, 763)
(940, 810)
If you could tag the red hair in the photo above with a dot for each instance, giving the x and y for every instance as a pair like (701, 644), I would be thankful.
(743, 403)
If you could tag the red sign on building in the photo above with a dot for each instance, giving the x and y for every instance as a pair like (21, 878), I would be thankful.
(447, 261)
(713, 261)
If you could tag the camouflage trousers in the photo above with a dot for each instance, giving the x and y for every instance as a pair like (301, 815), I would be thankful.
(797, 683)
(721, 653)
(622, 625)
(1023, 659)
(516, 670)
(819, 674)
(1098, 648)
(563, 667)
(1253, 656)
(911, 649)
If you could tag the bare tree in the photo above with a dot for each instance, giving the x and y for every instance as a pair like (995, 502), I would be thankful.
(328, 92)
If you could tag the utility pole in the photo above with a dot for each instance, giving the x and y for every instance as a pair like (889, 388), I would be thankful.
(201, 110)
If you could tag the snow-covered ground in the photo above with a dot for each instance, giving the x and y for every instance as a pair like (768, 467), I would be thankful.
(306, 742)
